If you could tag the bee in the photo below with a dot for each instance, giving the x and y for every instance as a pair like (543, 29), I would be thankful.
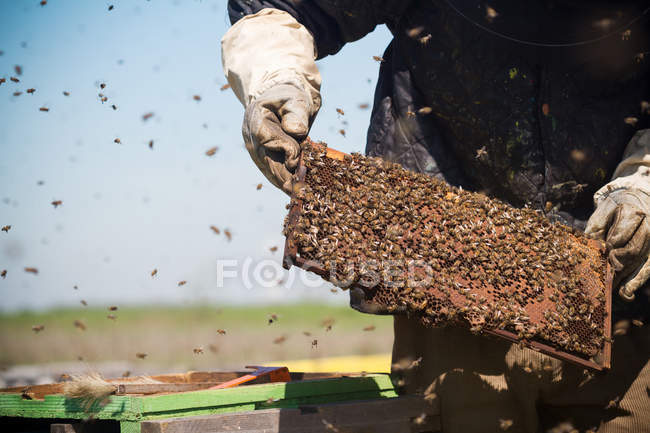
(84, 303)
(340, 111)
(425, 39)
(334, 291)
(198, 350)
(114, 107)
(44, 109)
(420, 419)
(126, 374)
(213, 348)
(118, 141)
(150, 144)
(228, 234)
(414, 32)
(369, 328)
(425, 110)
(79, 324)
(17, 93)
(3, 273)
(6, 228)
(104, 99)
(224, 87)
(342, 132)
(182, 283)
(197, 98)
(377, 59)
(14, 79)
(31, 270)
(38, 328)
(613, 403)
(111, 317)
(280, 340)
(363, 106)
(625, 36)
(140, 355)
(56, 203)
(154, 272)
(112, 308)
(211, 151)
(314, 343)
(30, 91)
(631, 120)
(273, 318)
(102, 86)
(215, 230)
(3, 80)
(221, 332)
(110, 8)
(505, 424)
(259, 186)
(490, 14)
(410, 113)
(637, 322)
(66, 93)
(147, 116)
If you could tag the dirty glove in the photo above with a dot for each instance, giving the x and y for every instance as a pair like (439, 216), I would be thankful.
(268, 59)
(622, 217)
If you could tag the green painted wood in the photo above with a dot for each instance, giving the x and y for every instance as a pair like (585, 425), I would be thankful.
(251, 397)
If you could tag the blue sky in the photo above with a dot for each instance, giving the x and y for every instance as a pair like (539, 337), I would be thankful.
(128, 209)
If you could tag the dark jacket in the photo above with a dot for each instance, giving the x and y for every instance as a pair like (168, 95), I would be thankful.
(527, 106)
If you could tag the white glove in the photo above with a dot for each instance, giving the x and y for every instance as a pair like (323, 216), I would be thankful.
(269, 61)
(622, 217)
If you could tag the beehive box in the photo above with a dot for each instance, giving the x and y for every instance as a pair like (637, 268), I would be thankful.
(132, 412)
(446, 256)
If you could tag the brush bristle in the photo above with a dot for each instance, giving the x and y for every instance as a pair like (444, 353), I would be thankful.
(88, 386)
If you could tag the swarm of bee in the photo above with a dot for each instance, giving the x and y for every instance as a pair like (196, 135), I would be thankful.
(419, 246)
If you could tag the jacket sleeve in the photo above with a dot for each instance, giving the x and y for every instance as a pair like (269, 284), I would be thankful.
(332, 23)
(633, 172)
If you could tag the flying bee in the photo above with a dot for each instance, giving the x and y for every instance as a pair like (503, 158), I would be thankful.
(66, 93)
(114, 107)
(273, 318)
(425, 110)
(31, 270)
(273, 249)
(314, 343)
(197, 98)
(44, 109)
(215, 229)
(154, 272)
(102, 86)
(118, 141)
(342, 132)
(378, 59)
(38, 328)
(30, 91)
(198, 350)
(213, 348)
(140, 355)
(224, 87)
(111, 317)
(147, 116)
(363, 106)
(110, 8)
(425, 39)
(84, 303)
(369, 328)
(221, 331)
(3, 274)
(228, 234)
(112, 308)
(259, 186)
(150, 144)
(6, 228)
(182, 283)
(280, 340)
(79, 324)
(14, 79)
(632, 121)
(637, 322)
(3, 80)
(211, 151)
(625, 36)
(340, 111)
(104, 99)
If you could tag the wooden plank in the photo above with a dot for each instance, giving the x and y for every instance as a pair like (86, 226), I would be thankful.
(135, 408)
(393, 415)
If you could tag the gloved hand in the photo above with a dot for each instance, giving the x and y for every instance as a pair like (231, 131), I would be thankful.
(269, 61)
(622, 220)
(274, 125)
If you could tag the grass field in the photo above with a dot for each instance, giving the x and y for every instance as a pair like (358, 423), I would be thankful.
(169, 336)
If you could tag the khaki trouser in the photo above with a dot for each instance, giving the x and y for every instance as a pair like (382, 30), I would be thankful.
(485, 384)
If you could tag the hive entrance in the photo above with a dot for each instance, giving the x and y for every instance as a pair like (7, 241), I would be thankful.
(449, 257)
